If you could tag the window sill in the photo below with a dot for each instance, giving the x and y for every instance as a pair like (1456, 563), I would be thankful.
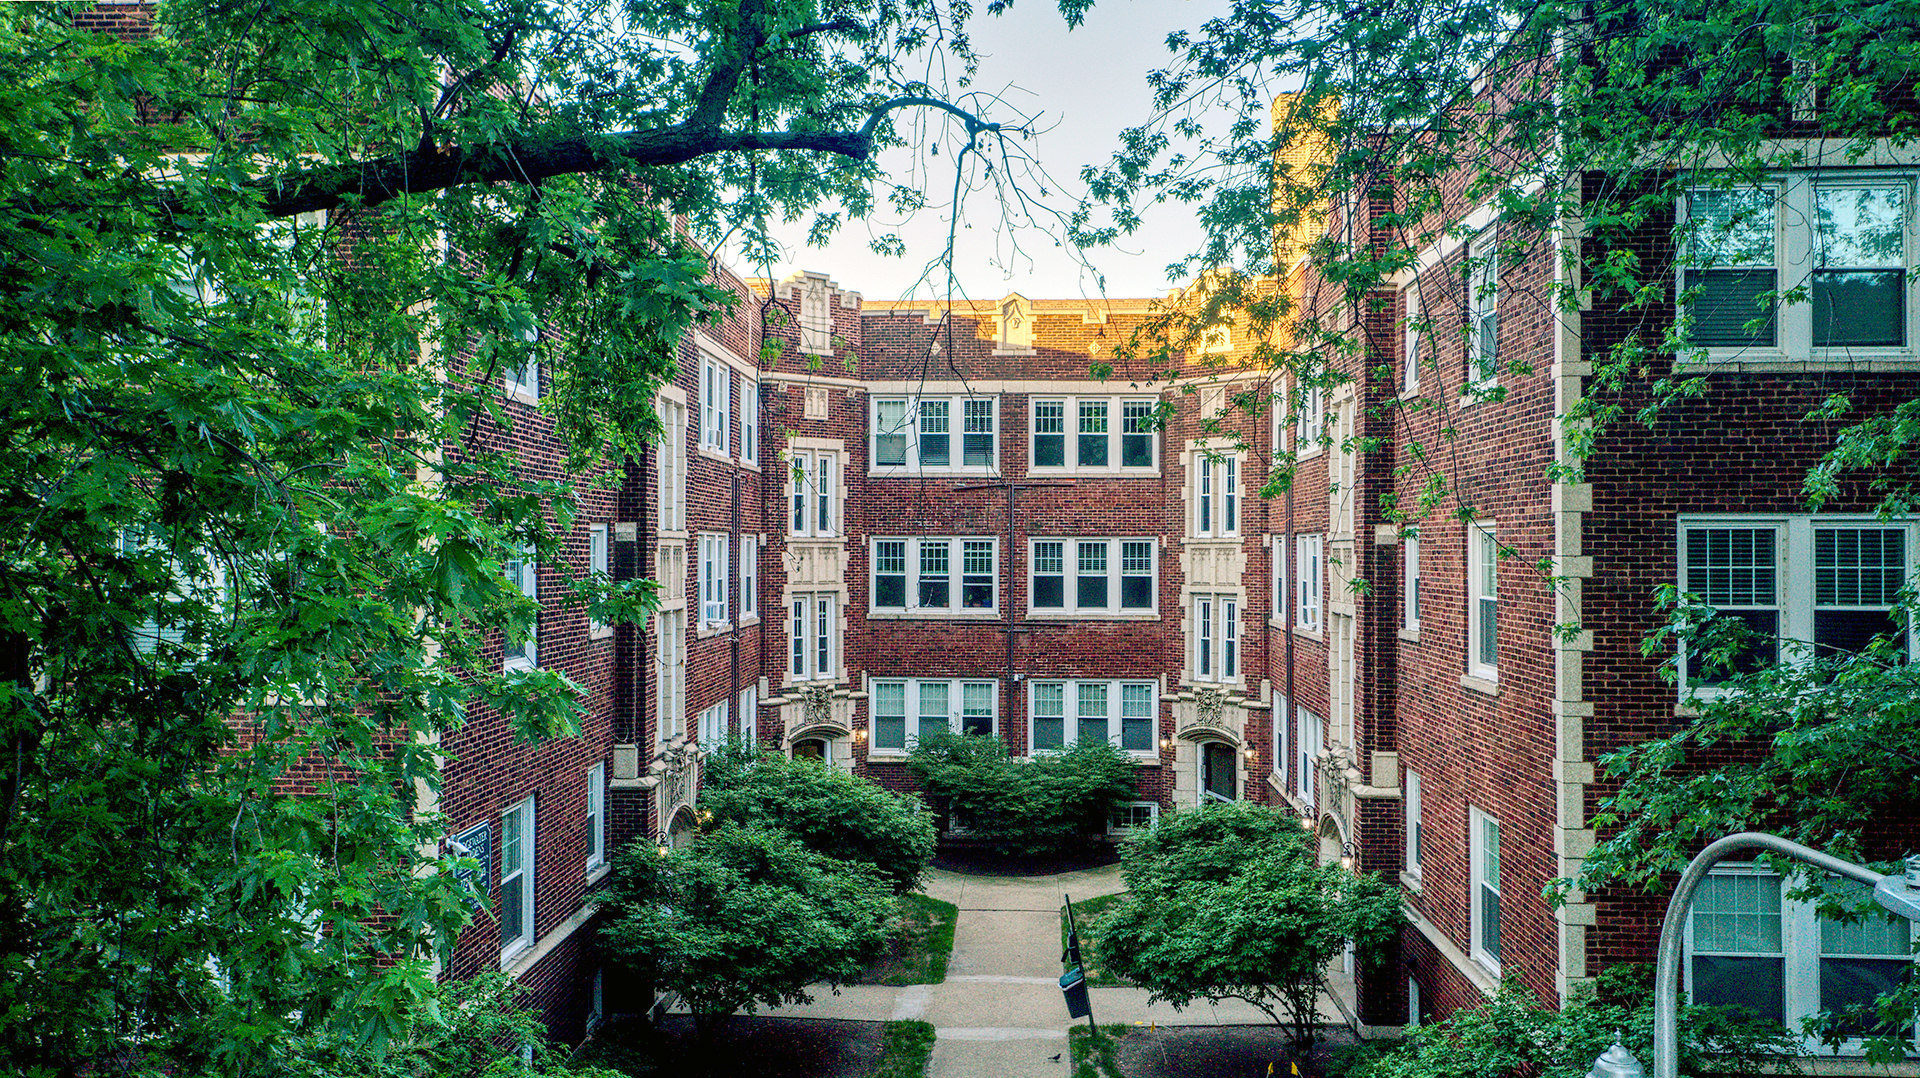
(720, 628)
(971, 614)
(1411, 636)
(1476, 392)
(890, 757)
(1412, 882)
(600, 632)
(1149, 471)
(1299, 631)
(598, 872)
(714, 454)
(1773, 361)
(670, 533)
(1484, 686)
(512, 665)
(521, 395)
(1070, 615)
(908, 471)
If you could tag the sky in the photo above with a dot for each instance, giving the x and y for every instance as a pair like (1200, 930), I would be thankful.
(1083, 86)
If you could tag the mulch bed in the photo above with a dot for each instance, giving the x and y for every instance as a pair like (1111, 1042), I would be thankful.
(1218, 1052)
(983, 861)
(756, 1047)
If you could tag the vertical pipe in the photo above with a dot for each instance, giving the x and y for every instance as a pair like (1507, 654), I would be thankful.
(1012, 697)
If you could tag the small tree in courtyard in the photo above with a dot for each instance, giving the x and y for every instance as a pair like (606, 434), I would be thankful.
(743, 917)
(828, 810)
(1228, 902)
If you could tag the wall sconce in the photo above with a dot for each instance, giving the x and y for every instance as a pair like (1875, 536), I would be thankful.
(1348, 856)
(860, 734)
(1166, 744)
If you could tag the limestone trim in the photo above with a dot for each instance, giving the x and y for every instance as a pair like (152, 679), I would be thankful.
(521, 962)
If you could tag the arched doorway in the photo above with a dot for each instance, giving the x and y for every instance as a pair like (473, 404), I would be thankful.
(813, 748)
(681, 831)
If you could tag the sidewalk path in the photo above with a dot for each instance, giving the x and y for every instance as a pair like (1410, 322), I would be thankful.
(999, 1014)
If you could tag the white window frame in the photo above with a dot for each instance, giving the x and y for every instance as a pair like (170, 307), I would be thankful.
(1115, 572)
(713, 571)
(814, 502)
(596, 816)
(1126, 818)
(956, 433)
(1309, 567)
(749, 419)
(515, 939)
(599, 564)
(523, 571)
(1116, 694)
(1796, 574)
(1204, 795)
(1282, 718)
(1481, 883)
(749, 578)
(716, 380)
(749, 721)
(521, 382)
(1306, 740)
(813, 636)
(1411, 342)
(1483, 310)
(1216, 637)
(1310, 425)
(712, 730)
(914, 699)
(672, 469)
(1801, 951)
(956, 577)
(1796, 254)
(1413, 835)
(1118, 422)
(1216, 495)
(1483, 601)
(1410, 583)
(670, 672)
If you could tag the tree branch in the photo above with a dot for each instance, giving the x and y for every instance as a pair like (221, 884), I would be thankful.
(711, 108)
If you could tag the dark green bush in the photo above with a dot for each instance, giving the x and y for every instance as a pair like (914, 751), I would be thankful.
(1038, 806)
(828, 810)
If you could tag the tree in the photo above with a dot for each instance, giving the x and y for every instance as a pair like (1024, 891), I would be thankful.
(1228, 901)
(1041, 806)
(827, 810)
(1565, 119)
(743, 917)
(254, 545)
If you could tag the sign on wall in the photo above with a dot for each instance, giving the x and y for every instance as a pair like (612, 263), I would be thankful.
(475, 842)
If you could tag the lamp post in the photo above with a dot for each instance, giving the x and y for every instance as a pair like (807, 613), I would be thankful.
(1899, 894)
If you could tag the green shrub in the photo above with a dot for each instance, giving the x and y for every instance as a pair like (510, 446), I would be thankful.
(1043, 805)
(828, 810)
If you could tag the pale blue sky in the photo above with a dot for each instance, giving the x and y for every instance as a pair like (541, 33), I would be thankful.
(1085, 85)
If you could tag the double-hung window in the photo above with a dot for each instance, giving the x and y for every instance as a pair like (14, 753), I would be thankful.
(713, 726)
(750, 716)
(522, 649)
(1826, 586)
(1483, 601)
(1092, 576)
(1308, 573)
(713, 579)
(672, 471)
(813, 636)
(813, 484)
(749, 419)
(1095, 434)
(670, 671)
(1410, 331)
(749, 577)
(947, 575)
(1064, 713)
(936, 434)
(1842, 242)
(599, 564)
(1410, 583)
(1216, 498)
(1752, 947)
(715, 380)
(1483, 837)
(1306, 740)
(907, 711)
(516, 878)
(1310, 419)
(1414, 835)
(1483, 311)
(1216, 638)
(596, 821)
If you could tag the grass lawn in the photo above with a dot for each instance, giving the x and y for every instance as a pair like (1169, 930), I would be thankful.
(904, 1052)
(1086, 915)
(921, 941)
(1095, 1051)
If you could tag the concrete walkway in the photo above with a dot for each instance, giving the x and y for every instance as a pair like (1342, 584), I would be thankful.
(999, 1013)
